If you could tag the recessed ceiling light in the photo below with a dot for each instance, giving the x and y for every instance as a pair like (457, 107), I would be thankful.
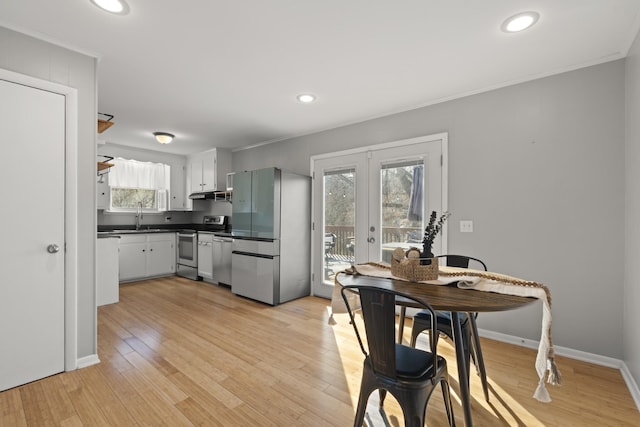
(164, 137)
(306, 98)
(520, 22)
(119, 7)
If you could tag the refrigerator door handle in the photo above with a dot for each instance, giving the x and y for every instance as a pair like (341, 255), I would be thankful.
(253, 255)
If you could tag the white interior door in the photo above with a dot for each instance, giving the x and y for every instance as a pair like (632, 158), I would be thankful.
(368, 202)
(32, 311)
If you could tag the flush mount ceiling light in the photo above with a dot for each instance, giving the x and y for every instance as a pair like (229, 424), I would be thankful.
(163, 137)
(119, 7)
(520, 22)
(306, 98)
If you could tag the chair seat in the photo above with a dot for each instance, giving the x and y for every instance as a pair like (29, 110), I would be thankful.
(414, 363)
(443, 319)
(444, 315)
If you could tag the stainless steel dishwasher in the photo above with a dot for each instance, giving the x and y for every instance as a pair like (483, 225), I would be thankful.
(221, 249)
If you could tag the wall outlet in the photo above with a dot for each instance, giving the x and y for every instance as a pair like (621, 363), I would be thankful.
(466, 226)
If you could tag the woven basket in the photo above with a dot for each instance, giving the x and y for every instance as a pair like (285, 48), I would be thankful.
(409, 267)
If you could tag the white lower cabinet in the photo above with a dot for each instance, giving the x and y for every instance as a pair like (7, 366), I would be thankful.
(107, 271)
(147, 255)
(161, 258)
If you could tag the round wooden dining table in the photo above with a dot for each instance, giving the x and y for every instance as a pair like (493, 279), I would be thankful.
(446, 298)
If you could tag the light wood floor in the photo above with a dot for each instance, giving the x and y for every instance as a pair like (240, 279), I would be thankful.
(180, 353)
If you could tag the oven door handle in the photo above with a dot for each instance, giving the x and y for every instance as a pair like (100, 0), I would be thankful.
(187, 235)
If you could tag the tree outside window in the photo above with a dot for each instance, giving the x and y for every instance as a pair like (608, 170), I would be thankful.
(131, 198)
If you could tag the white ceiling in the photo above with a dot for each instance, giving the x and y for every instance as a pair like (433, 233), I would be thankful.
(226, 73)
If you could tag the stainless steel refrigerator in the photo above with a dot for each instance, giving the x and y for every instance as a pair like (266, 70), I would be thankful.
(271, 220)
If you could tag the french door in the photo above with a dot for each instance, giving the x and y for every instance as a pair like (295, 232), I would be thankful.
(368, 202)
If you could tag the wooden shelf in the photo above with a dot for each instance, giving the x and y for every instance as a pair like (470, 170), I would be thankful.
(102, 166)
(104, 125)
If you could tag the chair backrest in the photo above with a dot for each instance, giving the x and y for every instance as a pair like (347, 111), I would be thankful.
(463, 261)
(330, 240)
(379, 314)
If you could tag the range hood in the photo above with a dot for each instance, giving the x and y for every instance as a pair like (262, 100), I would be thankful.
(203, 195)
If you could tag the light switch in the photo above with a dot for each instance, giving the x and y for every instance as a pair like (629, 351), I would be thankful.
(466, 226)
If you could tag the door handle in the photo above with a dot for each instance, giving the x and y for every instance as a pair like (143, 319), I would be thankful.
(53, 248)
(371, 239)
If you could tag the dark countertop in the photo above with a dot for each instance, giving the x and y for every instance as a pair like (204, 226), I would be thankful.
(107, 235)
(141, 231)
(111, 230)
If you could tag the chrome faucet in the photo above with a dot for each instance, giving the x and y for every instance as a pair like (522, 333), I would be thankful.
(139, 215)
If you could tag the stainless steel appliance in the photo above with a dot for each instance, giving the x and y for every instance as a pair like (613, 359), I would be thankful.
(188, 254)
(205, 258)
(216, 222)
(271, 235)
(221, 254)
(214, 250)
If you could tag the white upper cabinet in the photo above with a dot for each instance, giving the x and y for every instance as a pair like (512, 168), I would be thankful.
(209, 170)
(178, 197)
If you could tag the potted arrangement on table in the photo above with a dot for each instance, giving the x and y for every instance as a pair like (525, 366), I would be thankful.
(416, 265)
(430, 233)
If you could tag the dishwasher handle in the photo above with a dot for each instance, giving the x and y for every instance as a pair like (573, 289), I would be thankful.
(187, 235)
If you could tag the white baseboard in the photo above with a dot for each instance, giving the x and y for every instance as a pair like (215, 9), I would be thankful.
(632, 385)
(596, 359)
(83, 362)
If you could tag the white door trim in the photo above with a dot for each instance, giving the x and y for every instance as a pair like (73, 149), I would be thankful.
(443, 136)
(71, 205)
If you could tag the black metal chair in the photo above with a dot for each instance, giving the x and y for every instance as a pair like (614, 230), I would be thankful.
(329, 244)
(422, 322)
(409, 374)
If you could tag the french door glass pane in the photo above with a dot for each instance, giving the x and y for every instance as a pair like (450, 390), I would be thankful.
(402, 206)
(339, 221)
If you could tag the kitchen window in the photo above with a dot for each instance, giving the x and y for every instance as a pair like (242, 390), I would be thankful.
(136, 184)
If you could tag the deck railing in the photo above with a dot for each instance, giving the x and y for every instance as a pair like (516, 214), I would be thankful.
(345, 236)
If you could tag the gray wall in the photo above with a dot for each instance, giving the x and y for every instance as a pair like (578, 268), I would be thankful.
(539, 168)
(631, 317)
(36, 58)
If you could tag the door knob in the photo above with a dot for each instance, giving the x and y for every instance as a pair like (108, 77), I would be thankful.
(53, 248)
